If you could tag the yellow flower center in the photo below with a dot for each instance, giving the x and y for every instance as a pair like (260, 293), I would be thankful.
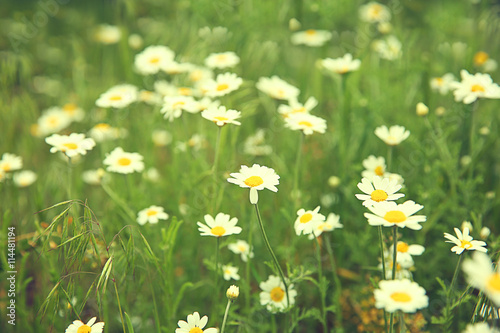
(151, 212)
(439, 81)
(379, 171)
(402, 247)
(115, 98)
(196, 75)
(84, 329)
(280, 93)
(221, 118)
(178, 104)
(298, 110)
(222, 86)
(124, 161)
(494, 282)
(53, 120)
(218, 231)
(477, 87)
(253, 181)
(310, 32)
(465, 244)
(395, 216)
(306, 218)
(184, 91)
(277, 294)
(242, 248)
(379, 195)
(6, 167)
(196, 330)
(480, 58)
(221, 57)
(102, 126)
(70, 145)
(401, 296)
(343, 70)
(305, 123)
(154, 60)
(69, 108)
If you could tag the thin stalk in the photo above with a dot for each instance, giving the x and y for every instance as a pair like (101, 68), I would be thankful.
(70, 179)
(381, 242)
(394, 256)
(119, 305)
(389, 157)
(402, 324)
(471, 137)
(295, 192)
(273, 255)
(338, 287)
(216, 278)
(216, 157)
(225, 315)
(320, 284)
(449, 296)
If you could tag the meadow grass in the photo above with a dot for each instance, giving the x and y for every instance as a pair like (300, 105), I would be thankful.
(80, 252)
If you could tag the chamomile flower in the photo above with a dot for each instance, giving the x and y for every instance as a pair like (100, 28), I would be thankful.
(308, 220)
(174, 67)
(152, 59)
(331, 223)
(388, 214)
(277, 88)
(52, 121)
(194, 324)
(123, 162)
(255, 178)
(392, 136)
(107, 34)
(273, 294)
(10, 162)
(222, 60)
(74, 112)
(220, 116)
(295, 107)
(382, 189)
(307, 123)
(480, 328)
(24, 178)
(222, 85)
(118, 97)
(242, 248)
(72, 145)
(200, 74)
(464, 241)
(374, 12)
(254, 144)
(341, 65)
(374, 166)
(443, 84)
(151, 215)
(104, 132)
(94, 177)
(206, 103)
(480, 274)
(222, 225)
(406, 251)
(150, 97)
(161, 138)
(311, 37)
(389, 48)
(91, 327)
(484, 62)
(475, 86)
(403, 295)
(230, 272)
(174, 105)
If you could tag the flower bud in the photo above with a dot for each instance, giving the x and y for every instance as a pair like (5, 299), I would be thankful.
(422, 109)
(233, 292)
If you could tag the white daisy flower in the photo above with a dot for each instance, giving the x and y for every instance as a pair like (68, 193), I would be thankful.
(392, 136)
(484, 62)
(93, 177)
(150, 97)
(104, 132)
(308, 220)
(194, 324)
(174, 67)
(90, 327)
(405, 252)
(374, 166)
(277, 88)
(11, 162)
(222, 60)
(311, 37)
(403, 295)
(332, 222)
(222, 85)
(388, 214)
(74, 112)
(72, 145)
(174, 105)
(475, 86)
(480, 328)
(107, 34)
(122, 162)
(307, 123)
(200, 74)
(222, 225)
(220, 116)
(480, 274)
(295, 107)
(374, 12)
(207, 103)
(382, 189)
(242, 248)
(152, 58)
(52, 120)
(342, 65)
(151, 215)
(464, 241)
(254, 144)
(161, 138)
(118, 97)
(24, 178)
(273, 294)
(389, 48)
(230, 272)
(443, 84)
(255, 178)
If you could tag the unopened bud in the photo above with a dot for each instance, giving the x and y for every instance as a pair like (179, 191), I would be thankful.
(334, 181)
(294, 24)
(233, 292)
(468, 225)
(484, 233)
(422, 109)
(440, 111)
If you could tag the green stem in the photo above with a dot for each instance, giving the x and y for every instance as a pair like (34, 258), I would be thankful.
(225, 315)
(320, 284)
(389, 157)
(449, 295)
(384, 275)
(216, 278)
(217, 148)
(295, 192)
(394, 264)
(119, 305)
(402, 324)
(272, 254)
(338, 288)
